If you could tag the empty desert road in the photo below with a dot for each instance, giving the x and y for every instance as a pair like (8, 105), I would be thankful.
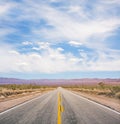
(44, 110)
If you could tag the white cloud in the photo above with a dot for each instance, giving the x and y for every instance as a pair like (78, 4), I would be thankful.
(50, 61)
(13, 52)
(6, 31)
(75, 9)
(5, 7)
(116, 2)
(72, 24)
(53, 61)
(43, 45)
(60, 49)
(75, 43)
(67, 28)
(27, 43)
(36, 48)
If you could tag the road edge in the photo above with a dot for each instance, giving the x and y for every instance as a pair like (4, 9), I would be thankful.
(95, 102)
(23, 103)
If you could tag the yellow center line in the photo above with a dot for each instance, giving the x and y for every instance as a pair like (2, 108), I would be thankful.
(60, 108)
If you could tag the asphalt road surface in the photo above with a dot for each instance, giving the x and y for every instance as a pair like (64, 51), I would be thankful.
(44, 110)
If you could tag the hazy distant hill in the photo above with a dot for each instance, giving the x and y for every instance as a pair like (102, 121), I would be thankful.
(58, 81)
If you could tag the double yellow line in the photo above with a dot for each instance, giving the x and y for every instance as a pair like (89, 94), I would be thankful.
(60, 108)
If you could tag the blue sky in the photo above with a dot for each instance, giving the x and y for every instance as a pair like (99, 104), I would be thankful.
(60, 39)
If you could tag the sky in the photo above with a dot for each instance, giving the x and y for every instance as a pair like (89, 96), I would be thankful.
(60, 38)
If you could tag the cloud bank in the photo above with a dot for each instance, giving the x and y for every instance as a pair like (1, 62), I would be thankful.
(59, 36)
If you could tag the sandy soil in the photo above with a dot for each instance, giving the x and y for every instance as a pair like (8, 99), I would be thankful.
(109, 102)
(15, 100)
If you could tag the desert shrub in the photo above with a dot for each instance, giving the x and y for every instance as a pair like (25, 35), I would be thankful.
(117, 95)
(7, 94)
(116, 89)
(102, 93)
(21, 86)
(101, 84)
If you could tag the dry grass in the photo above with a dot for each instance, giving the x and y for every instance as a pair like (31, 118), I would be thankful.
(108, 95)
(13, 90)
(12, 95)
(112, 91)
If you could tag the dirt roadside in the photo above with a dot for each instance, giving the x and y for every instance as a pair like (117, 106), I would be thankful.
(106, 101)
(16, 100)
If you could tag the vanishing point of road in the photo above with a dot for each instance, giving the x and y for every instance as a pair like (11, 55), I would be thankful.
(60, 107)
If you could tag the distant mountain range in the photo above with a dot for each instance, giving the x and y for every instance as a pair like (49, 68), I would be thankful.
(58, 82)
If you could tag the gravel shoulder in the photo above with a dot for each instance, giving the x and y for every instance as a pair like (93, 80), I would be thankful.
(16, 100)
(109, 102)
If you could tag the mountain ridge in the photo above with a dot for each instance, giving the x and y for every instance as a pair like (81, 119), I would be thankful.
(90, 81)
